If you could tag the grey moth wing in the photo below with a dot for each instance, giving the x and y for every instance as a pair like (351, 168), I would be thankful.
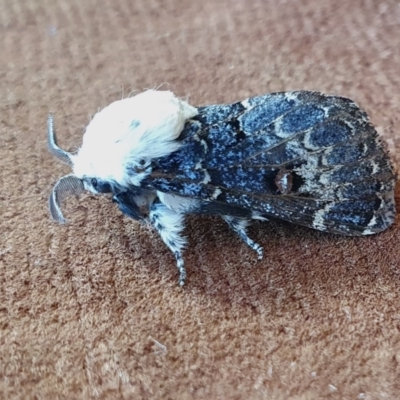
(303, 157)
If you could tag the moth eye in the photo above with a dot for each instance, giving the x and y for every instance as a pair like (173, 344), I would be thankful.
(93, 181)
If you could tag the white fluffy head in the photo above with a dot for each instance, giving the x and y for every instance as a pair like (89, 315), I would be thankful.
(130, 133)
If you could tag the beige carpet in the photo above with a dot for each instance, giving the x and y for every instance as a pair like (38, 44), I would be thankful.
(93, 309)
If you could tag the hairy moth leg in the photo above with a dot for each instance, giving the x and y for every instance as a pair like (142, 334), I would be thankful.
(239, 225)
(169, 225)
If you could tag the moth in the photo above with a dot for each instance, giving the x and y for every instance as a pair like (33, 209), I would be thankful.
(303, 157)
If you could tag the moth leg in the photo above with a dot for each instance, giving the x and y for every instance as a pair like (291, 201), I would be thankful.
(239, 225)
(169, 225)
(128, 206)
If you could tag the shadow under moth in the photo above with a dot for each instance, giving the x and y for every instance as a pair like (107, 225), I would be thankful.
(303, 157)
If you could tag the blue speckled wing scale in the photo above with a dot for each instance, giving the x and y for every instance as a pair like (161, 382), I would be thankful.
(303, 157)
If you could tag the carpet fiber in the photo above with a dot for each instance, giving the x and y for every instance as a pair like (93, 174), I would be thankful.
(93, 309)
